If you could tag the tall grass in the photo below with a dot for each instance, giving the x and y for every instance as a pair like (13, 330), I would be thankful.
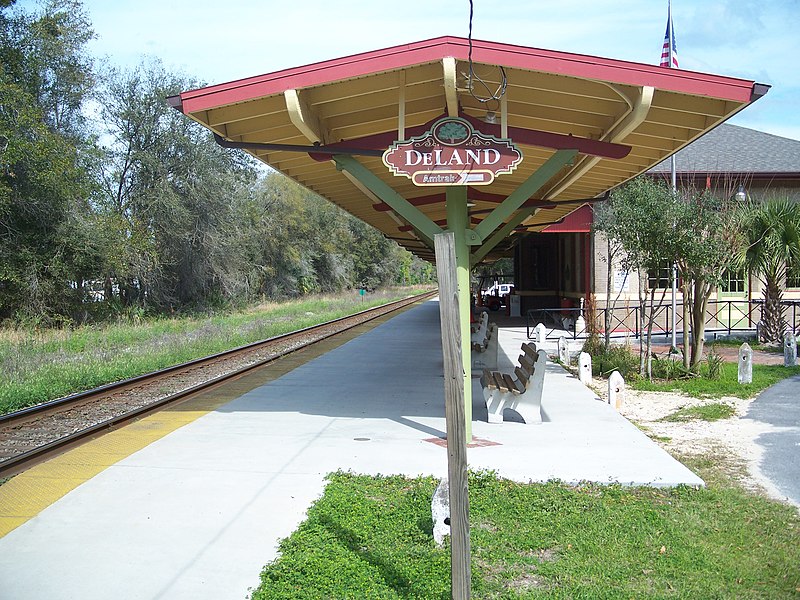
(41, 365)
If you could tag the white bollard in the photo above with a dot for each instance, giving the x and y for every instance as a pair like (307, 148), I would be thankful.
(580, 322)
(745, 363)
(585, 368)
(789, 349)
(616, 390)
(540, 333)
(440, 512)
(563, 350)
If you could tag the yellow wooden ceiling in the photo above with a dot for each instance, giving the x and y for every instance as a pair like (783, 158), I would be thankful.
(352, 100)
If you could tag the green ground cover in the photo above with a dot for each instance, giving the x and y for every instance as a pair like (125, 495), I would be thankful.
(706, 412)
(40, 365)
(370, 537)
(727, 384)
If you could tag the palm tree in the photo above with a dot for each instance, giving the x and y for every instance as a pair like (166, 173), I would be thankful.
(772, 233)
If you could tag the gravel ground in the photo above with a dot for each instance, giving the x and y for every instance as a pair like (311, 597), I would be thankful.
(732, 439)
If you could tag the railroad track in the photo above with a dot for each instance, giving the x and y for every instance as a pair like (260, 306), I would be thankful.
(32, 435)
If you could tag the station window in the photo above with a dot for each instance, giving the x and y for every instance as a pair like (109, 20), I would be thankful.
(733, 282)
(661, 277)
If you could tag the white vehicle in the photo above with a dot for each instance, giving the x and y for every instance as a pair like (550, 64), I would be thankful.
(499, 289)
(495, 296)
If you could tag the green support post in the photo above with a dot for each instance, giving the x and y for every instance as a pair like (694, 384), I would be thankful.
(415, 217)
(529, 187)
(458, 222)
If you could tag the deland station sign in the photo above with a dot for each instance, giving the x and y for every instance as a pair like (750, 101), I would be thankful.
(452, 153)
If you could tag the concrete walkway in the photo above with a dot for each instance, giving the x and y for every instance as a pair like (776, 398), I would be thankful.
(197, 513)
(779, 406)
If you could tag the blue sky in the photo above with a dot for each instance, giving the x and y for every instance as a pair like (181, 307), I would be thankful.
(217, 41)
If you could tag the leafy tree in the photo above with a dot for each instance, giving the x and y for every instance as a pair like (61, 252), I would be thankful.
(640, 218)
(52, 63)
(772, 248)
(694, 230)
(45, 163)
(603, 221)
(452, 131)
(167, 206)
(707, 240)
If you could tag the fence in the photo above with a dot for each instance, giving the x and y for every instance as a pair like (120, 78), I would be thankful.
(722, 316)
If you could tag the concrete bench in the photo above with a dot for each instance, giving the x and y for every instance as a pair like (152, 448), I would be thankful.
(481, 338)
(521, 392)
(485, 352)
(479, 331)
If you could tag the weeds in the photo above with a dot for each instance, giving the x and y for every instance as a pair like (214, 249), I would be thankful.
(669, 368)
(705, 412)
(616, 358)
(714, 364)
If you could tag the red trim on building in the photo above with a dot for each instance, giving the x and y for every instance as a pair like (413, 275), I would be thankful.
(578, 221)
(472, 195)
(492, 53)
(530, 137)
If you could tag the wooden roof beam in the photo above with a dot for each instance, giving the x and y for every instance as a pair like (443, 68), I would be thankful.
(450, 94)
(640, 107)
(302, 117)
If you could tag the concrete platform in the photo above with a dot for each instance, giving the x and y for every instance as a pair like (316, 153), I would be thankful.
(197, 513)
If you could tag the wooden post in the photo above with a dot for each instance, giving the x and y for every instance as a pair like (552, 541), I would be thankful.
(454, 414)
(458, 222)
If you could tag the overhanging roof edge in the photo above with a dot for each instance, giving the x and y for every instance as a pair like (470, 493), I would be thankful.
(507, 55)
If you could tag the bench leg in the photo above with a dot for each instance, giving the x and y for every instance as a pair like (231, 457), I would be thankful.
(530, 411)
(526, 405)
(495, 404)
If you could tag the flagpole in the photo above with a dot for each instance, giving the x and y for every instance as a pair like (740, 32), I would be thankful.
(674, 191)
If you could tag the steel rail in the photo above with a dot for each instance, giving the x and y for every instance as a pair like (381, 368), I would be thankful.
(20, 462)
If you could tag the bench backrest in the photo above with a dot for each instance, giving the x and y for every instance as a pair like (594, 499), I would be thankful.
(526, 363)
(533, 371)
(522, 378)
(529, 350)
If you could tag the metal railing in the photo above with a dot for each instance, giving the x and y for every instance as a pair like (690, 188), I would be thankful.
(722, 316)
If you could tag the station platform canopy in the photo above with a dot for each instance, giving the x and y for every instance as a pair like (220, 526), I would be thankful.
(584, 125)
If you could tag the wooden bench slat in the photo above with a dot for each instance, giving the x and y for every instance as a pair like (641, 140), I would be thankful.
(500, 382)
(523, 377)
(527, 364)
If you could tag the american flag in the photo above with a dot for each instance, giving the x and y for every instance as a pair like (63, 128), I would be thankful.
(669, 53)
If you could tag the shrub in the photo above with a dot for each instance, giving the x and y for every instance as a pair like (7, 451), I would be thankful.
(714, 362)
(670, 367)
(593, 346)
(616, 358)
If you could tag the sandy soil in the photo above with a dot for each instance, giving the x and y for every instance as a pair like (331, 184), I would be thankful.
(733, 439)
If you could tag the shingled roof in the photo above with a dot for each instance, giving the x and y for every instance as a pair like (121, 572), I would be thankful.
(733, 149)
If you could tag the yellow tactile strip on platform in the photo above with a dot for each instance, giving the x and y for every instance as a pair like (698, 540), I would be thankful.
(27, 494)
